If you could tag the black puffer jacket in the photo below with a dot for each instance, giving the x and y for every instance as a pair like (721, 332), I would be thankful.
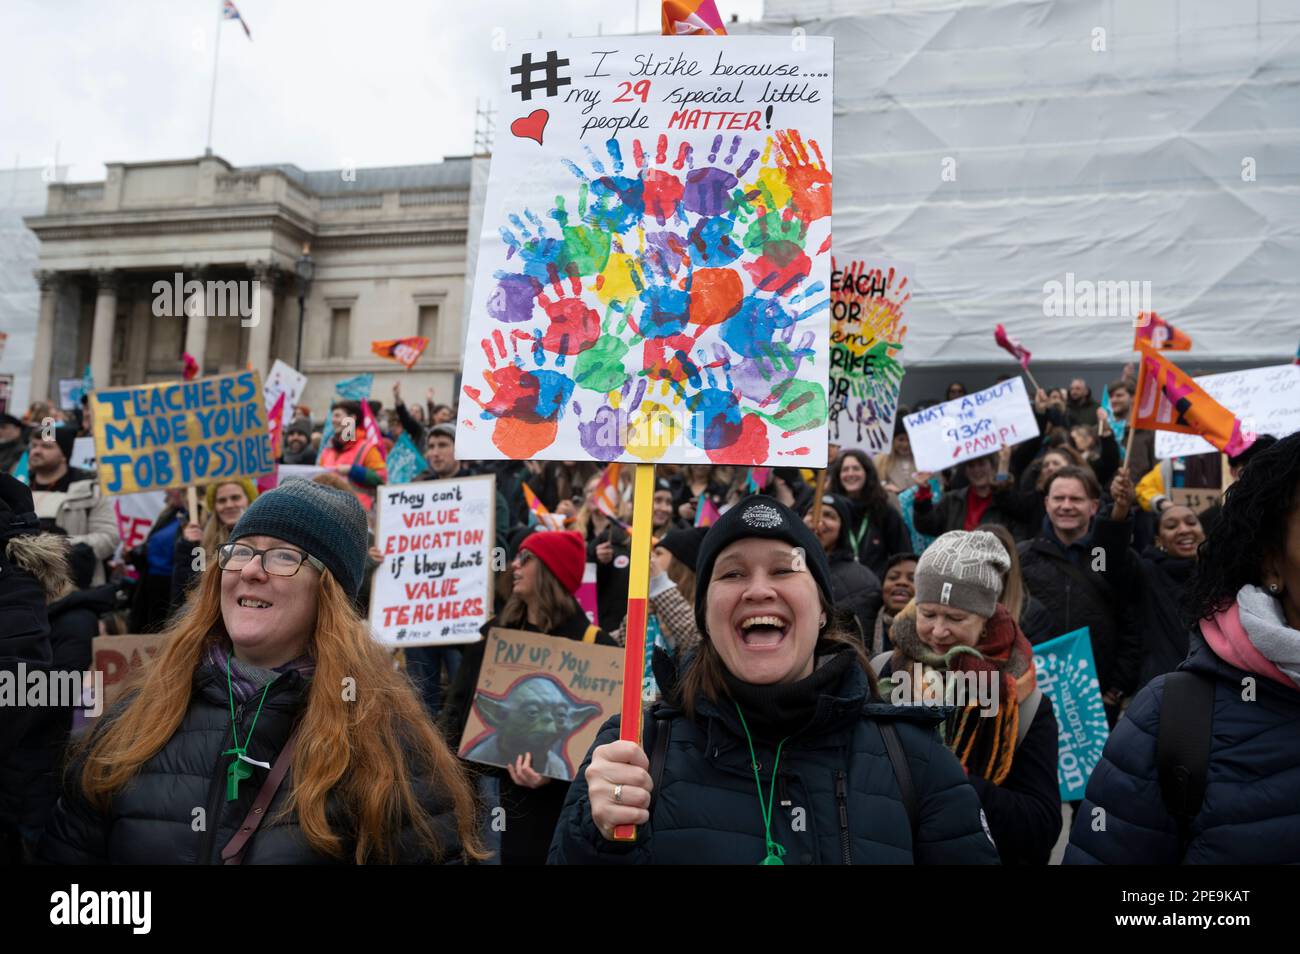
(855, 589)
(1075, 596)
(1154, 584)
(152, 819)
(837, 771)
(883, 537)
(1251, 810)
(29, 774)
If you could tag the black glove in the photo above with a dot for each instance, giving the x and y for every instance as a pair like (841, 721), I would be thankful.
(17, 511)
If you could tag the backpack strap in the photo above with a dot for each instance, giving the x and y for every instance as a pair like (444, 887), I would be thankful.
(590, 635)
(1183, 745)
(233, 853)
(654, 737)
(902, 772)
(1028, 709)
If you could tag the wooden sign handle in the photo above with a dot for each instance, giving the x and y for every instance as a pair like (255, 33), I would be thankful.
(192, 502)
(638, 589)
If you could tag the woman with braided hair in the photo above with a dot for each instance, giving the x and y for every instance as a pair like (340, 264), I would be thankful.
(957, 634)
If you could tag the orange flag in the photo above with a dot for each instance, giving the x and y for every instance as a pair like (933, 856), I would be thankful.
(1169, 400)
(1159, 333)
(405, 351)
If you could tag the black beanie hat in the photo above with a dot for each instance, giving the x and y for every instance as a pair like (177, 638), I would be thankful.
(840, 504)
(65, 437)
(329, 524)
(758, 516)
(684, 545)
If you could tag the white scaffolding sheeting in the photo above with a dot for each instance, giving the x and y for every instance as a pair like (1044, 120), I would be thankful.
(1128, 163)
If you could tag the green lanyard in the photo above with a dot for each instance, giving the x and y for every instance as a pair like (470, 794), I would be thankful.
(775, 851)
(856, 538)
(239, 769)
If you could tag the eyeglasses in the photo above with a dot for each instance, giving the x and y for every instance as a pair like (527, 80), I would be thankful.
(277, 561)
(524, 557)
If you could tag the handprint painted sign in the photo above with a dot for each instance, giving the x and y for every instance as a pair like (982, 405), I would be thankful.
(653, 280)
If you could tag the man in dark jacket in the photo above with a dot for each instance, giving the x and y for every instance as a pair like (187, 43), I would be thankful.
(297, 443)
(1059, 568)
(988, 498)
(1081, 408)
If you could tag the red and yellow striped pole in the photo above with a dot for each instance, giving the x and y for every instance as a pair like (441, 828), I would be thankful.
(638, 589)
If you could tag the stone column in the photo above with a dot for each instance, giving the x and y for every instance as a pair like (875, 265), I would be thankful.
(101, 342)
(259, 325)
(51, 284)
(196, 319)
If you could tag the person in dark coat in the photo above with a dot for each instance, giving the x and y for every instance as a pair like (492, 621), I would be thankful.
(230, 694)
(773, 746)
(1155, 583)
(877, 531)
(854, 588)
(297, 443)
(154, 561)
(988, 498)
(28, 775)
(12, 445)
(1006, 737)
(1245, 652)
(547, 571)
(1060, 568)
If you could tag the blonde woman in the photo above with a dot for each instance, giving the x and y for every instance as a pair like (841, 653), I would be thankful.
(225, 502)
(269, 674)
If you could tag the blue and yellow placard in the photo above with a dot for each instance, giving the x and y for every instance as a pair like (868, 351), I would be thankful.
(157, 436)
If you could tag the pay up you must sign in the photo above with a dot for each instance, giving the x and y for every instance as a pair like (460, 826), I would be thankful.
(434, 586)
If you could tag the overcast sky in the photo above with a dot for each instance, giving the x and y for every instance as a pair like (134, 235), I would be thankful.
(323, 84)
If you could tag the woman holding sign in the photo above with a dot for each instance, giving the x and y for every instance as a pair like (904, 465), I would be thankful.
(1224, 788)
(959, 635)
(270, 668)
(226, 502)
(772, 746)
(546, 574)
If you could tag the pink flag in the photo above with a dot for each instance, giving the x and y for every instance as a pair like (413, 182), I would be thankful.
(371, 427)
(1011, 346)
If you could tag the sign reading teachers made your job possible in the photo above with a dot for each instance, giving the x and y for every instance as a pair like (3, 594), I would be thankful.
(157, 436)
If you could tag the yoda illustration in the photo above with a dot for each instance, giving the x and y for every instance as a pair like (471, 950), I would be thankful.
(535, 715)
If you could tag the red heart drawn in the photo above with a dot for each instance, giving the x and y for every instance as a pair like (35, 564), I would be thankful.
(531, 126)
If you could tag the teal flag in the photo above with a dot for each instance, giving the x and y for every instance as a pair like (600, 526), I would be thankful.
(355, 389)
(1067, 673)
(1119, 427)
(20, 469)
(404, 461)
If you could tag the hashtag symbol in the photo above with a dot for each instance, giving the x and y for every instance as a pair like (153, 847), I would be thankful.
(552, 82)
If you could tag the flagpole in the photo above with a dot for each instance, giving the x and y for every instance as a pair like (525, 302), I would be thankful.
(212, 99)
(1133, 409)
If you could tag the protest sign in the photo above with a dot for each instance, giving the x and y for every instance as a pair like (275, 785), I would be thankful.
(971, 426)
(541, 694)
(867, 300)
(1265, 400)
(287, 381)
(1068, 675)
(179, 434)
(434, 586)
(120, 659)
(69, 393)
(135, 514)
(1198, 499)
(656, 289)
(83, 454)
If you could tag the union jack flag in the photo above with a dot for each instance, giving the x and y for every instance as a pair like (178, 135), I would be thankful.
(231, 12)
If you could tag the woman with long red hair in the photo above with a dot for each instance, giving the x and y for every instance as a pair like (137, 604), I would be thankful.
(269, 702)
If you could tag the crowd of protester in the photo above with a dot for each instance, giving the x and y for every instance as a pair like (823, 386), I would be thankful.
(962, 571)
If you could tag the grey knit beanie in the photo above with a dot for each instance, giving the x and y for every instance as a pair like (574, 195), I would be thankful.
(329, 524)
(964, 570)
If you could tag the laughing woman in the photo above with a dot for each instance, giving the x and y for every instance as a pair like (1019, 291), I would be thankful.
(772, 747)
(269, 676)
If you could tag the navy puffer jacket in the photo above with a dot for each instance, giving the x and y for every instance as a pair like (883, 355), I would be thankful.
(1251, 810)
(155, 818)
(837, 799)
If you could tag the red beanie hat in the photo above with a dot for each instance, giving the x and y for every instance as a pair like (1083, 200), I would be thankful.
(563, 552)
